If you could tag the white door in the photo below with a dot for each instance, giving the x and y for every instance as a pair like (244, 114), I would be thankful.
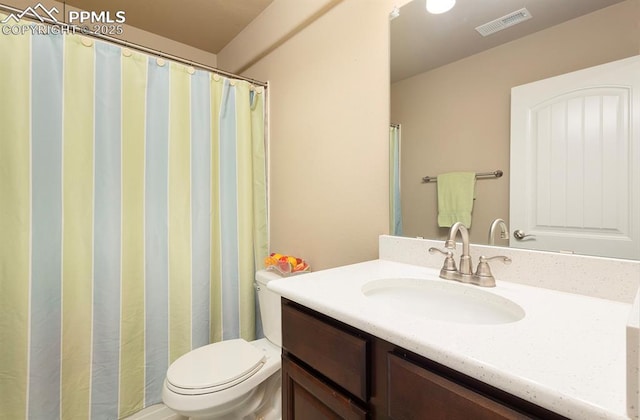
(575, 162)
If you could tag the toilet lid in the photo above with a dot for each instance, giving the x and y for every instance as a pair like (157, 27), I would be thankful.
(214, 367)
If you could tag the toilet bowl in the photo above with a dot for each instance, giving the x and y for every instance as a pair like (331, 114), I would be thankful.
(232, 379)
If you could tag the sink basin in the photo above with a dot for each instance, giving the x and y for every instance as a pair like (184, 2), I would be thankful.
(443, 300)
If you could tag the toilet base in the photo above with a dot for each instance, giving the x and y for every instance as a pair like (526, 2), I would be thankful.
(271, 406)
(255, 406)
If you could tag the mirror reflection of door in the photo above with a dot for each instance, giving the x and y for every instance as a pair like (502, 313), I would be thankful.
(575, 154)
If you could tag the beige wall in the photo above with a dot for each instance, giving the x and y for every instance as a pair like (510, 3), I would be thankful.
(279, 22)
(329, 116)
(457, 117)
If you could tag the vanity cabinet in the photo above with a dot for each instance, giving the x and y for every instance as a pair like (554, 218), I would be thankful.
(331, 370)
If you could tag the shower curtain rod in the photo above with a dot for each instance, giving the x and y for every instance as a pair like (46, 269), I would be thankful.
(135, 46)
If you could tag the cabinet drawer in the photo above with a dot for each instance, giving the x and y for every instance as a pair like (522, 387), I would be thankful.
(417, 393)
(336, 354)
(306, 397)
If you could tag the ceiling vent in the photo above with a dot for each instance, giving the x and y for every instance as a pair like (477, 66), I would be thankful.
(504, 22)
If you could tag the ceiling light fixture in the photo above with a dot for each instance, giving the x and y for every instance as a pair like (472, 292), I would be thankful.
(439, 6)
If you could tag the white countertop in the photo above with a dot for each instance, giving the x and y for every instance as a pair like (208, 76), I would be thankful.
(568, 354)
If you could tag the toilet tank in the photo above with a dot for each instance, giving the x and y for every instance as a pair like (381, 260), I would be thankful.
(269, 307)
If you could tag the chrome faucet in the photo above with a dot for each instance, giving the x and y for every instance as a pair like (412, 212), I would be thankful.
(482, 277)
(504, 232)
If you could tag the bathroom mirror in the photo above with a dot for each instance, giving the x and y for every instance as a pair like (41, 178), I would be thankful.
(451, 89)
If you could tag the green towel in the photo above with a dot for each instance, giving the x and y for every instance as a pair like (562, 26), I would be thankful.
(455, 198)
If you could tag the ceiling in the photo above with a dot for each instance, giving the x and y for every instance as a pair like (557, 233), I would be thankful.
(205, 24)
(421, 41)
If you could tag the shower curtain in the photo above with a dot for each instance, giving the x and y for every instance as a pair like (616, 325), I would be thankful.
(395, 209)
(132, 214)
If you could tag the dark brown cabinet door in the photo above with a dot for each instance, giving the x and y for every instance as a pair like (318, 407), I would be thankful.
(305, 397)
(417, 393)
(336, 354)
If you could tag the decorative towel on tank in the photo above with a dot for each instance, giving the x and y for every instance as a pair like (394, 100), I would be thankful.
(455, 198)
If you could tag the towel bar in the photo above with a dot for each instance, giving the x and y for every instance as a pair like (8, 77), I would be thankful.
(479, 175)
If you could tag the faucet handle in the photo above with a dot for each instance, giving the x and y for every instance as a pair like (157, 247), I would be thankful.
(449, 268)
(446, 252)
(504, 259)
(483, 275)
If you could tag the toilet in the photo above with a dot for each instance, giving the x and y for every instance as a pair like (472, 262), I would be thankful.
(232, 379)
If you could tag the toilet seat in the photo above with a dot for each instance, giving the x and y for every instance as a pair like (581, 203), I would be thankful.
(214, 367)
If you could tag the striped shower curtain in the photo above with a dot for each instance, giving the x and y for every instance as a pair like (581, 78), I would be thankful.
(395, 208)
(132, 211)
